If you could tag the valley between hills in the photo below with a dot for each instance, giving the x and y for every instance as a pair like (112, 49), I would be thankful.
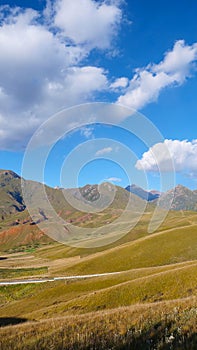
(138, 292)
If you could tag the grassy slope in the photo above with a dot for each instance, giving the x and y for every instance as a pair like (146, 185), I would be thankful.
(174, 245)
(166, 325)
(178, 283)
(160, 267)
(58, 298)
(21, 237)
(150, 288)
(173, 220)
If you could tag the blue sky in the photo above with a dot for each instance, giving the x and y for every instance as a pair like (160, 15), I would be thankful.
(140, 54)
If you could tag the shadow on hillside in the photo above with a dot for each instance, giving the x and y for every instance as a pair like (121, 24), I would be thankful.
(9, 321)
(3, 258)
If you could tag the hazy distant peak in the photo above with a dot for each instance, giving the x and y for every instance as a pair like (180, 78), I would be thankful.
(140, 192)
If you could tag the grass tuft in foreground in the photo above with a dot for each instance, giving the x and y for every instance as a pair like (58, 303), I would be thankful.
(160, 326)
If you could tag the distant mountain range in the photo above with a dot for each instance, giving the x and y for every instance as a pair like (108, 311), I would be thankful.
(181, 198)
(11, 199)
(20, 231)
(140, 192)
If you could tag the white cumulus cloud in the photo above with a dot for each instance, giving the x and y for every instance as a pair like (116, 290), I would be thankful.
(41, 62)
(88, 22)
(119, 83)
(148, 82)
(170, 155)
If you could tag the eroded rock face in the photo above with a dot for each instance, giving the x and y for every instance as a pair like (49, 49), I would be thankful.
(90, 192)
(11, 200)
(181, 198)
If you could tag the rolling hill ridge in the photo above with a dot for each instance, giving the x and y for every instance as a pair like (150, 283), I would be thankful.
(11, 199)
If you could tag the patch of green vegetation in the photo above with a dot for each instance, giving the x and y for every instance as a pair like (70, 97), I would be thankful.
(26, 248)
(12, 293)
(14, 273)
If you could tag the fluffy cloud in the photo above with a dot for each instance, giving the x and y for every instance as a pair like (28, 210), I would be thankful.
(43, 64)
(41, 71)
(170, 155)
(119, 83)
(95, 22)
(148, 82)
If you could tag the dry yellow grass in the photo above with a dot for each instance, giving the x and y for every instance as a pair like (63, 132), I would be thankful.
(135, 309)
(166, 247)
(164, 325)
(79, 296)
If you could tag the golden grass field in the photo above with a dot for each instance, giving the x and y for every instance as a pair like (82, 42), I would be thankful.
(149, 304)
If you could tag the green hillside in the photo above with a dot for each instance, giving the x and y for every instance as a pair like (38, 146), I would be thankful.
(177, 245)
